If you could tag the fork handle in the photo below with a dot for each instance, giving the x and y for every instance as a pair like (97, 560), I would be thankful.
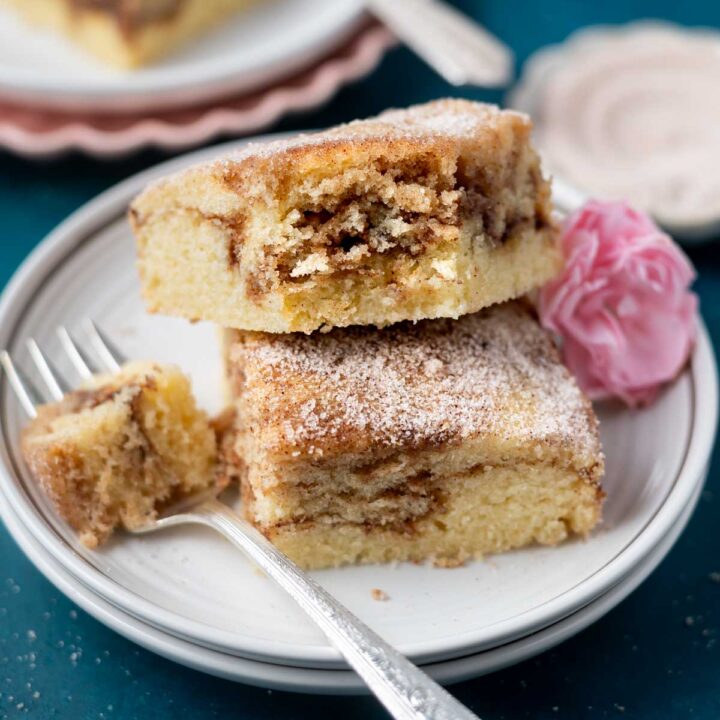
(405, 691)
(458, 48)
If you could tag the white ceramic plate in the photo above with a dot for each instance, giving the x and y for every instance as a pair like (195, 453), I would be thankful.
(327, 681)
(194, 585)
(272, 39)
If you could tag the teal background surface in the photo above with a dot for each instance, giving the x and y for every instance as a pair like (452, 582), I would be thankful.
(657, 655)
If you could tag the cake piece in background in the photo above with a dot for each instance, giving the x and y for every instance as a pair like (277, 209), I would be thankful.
(128, 33)
(434, 211)
(116, 452)
(441, 440)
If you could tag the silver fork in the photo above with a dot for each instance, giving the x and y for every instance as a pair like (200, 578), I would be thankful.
(406, 691)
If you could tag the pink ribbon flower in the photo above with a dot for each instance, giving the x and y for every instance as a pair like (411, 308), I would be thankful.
(622, 304)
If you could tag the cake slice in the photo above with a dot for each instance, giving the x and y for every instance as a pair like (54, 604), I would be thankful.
(434, 211)
(440, 440)
(117, 451)
(128, 33)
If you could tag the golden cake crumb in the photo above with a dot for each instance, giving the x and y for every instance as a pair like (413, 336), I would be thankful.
(121, 448)
(379, 595)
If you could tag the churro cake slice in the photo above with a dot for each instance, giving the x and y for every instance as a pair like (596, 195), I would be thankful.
(434, 211)
(128, 33)
(118, 450)
(440, 440)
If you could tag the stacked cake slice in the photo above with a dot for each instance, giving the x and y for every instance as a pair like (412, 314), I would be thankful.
(435, 211)
(394, 399)
(441, 439)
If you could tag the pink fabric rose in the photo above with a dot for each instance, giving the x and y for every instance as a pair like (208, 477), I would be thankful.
(622, 305)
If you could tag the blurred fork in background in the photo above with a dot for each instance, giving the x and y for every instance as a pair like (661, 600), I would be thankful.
(454, 45)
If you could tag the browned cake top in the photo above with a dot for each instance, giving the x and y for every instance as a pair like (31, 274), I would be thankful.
(427, 124)
(434, 127)
(495, 374)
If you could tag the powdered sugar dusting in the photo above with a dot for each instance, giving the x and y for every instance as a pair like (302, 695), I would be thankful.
(448, 119)
(454, 119)
(495, 373)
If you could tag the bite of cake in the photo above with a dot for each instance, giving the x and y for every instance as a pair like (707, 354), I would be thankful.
(434, 211)
(440, 440)
(117, 451)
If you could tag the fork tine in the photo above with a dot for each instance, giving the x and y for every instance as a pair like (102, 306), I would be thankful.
(22, 387)
(104, 347)
(80, 361)
(51, 377)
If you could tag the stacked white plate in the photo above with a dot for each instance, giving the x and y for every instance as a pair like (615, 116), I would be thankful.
(190, 596)
(274, 58)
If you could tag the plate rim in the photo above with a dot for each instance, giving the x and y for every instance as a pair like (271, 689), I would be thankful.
(163, 88)
(108, 206)
(318, 681)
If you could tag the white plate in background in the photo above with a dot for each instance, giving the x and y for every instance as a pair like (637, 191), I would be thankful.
(192, 584)
(269, 40)
(605, 106)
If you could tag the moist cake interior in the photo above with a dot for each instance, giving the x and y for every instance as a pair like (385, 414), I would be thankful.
(412, 208)
(484, 511)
